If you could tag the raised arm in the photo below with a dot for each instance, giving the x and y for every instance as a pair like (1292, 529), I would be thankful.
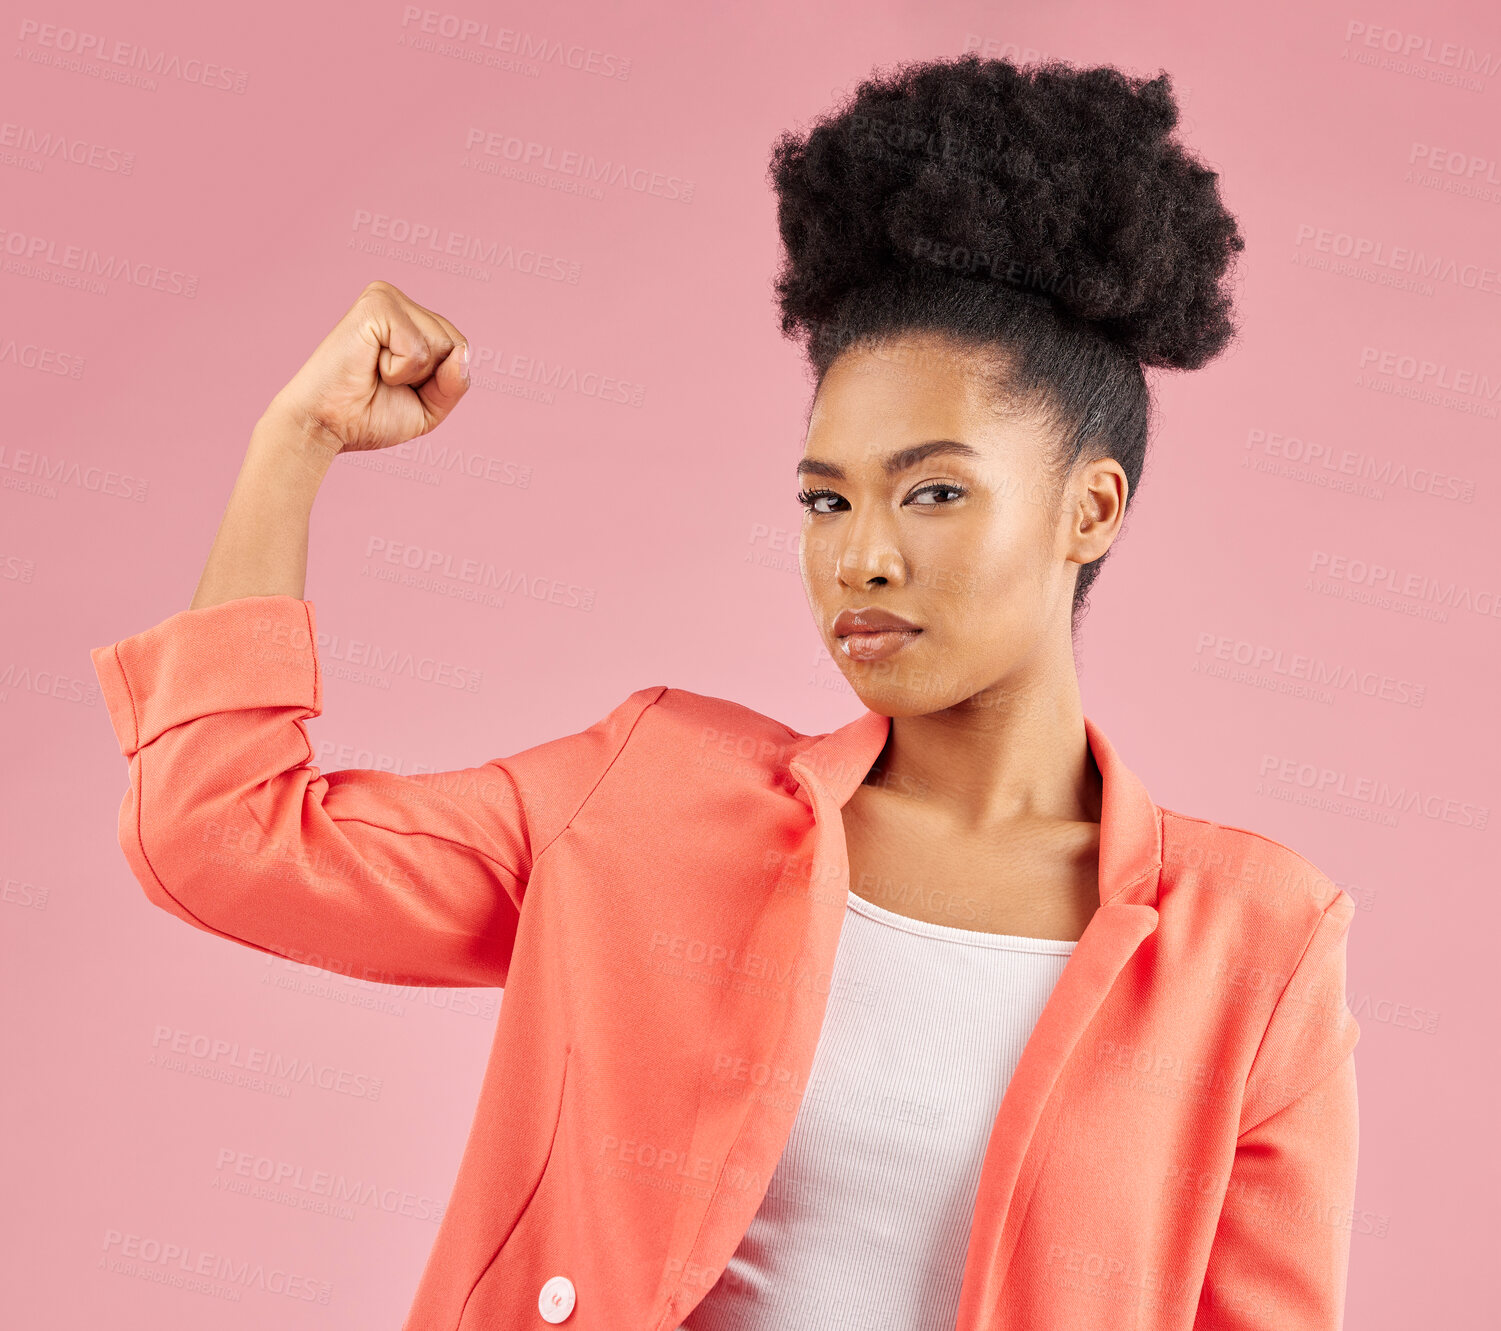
(388, 371)
(227, 824)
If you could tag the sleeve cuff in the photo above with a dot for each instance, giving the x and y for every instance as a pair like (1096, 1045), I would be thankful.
(253, 651)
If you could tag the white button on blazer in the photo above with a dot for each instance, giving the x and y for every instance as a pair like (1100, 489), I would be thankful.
(555, 1301)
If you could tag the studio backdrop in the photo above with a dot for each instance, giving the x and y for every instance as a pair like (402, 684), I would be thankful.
(1296, 633)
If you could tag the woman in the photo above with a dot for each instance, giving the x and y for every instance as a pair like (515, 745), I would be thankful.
(935, 1020)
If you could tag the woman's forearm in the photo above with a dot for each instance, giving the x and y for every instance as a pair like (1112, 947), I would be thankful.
(389, 370)
(261, 545)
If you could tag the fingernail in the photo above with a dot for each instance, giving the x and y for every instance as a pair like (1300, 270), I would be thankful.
(464, 361)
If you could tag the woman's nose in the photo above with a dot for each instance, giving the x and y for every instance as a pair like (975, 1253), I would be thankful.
(864, 562)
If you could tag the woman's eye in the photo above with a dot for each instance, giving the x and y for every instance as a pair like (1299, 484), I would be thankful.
(937, 486)
(810, 499)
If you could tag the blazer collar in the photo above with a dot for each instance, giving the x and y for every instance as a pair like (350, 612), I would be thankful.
(1130, 864)
(827, 772)
(1130, 831)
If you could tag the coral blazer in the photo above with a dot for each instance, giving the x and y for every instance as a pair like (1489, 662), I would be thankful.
(661, 896)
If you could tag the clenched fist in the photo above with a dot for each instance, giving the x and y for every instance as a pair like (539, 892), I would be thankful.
(390, 370)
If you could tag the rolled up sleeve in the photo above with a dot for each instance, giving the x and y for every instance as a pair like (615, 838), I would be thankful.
(227, 823)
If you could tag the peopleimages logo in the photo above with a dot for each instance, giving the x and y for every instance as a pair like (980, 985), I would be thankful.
(49, 259)
(220, 1059)
(1384, 798)
(25, 144)
(205, 1271)
(1439, 593)
(1352, 469)
(370, 659)
(416, 565)
(1418, 55)
(1374, 260)
(115, 60)
(475, 40)
(1465, 389)
(493, 150)
(1453, 162)
(443, 249)
(40, 359)
(1451, 171)
(1283, 669)
(30, 472)
(325, 1191)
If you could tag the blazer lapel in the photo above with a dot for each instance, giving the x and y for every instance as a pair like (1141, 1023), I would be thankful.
(799, 932)
(828, 772)
(1130, 866)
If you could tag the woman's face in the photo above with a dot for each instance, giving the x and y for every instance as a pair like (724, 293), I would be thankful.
(928, 503)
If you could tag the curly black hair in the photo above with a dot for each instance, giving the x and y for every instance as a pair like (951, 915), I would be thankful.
(1041, 213)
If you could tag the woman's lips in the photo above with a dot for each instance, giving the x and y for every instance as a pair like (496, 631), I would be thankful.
(876, 645)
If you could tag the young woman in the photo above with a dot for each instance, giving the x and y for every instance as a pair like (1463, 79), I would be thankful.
(936, 1020)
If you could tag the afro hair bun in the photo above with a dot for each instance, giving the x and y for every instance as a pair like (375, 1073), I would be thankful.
(1049, 180)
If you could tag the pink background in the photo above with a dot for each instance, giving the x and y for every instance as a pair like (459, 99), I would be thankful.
(128, 402)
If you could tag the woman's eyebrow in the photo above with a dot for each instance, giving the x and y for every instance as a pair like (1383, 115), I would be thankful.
(893, 463)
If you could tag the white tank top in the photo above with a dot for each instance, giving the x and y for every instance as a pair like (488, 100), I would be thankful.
(865, 1223)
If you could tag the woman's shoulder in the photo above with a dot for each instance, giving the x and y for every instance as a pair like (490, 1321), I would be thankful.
(1275, 928)
(670, 732)
(1262, 882)
(660, 743)
(680, 721)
